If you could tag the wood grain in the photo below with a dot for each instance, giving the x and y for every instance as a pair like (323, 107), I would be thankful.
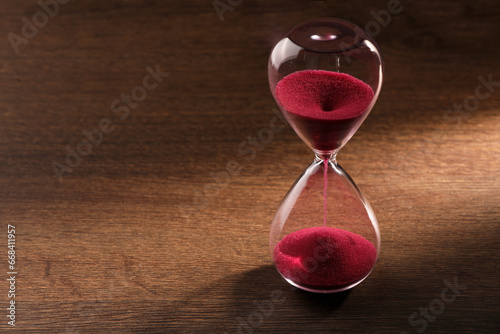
(140, 237)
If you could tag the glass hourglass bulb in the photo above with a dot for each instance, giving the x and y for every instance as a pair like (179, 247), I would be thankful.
(325, 76)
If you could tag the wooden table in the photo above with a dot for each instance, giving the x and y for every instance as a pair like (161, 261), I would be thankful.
(141, 233)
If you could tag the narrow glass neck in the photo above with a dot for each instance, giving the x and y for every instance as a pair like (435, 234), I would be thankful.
(321, 155)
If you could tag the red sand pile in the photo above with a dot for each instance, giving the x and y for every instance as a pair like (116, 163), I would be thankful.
(324, 257)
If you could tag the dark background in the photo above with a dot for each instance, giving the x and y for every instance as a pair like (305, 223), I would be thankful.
(141, 238)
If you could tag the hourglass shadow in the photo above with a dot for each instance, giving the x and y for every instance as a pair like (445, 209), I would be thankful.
(269, 279)
(256, 300)
(264, 301)
(261, 299)
(328, 301)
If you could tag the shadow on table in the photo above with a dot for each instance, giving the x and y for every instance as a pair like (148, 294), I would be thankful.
(256, 300)
(265, 284)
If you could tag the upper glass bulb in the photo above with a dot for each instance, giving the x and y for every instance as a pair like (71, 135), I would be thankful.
(325, 76)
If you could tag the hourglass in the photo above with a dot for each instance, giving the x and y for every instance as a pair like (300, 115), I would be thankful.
(325, 76)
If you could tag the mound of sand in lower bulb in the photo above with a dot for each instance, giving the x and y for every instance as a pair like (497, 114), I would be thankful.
(324, 257)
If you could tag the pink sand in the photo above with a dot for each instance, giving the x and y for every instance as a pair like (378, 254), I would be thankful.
(324, 106)
(324, 257)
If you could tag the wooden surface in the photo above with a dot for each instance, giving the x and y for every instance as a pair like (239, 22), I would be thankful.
(140, 237)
